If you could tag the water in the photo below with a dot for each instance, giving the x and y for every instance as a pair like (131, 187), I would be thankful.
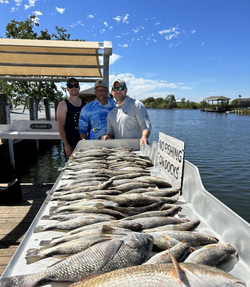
(216, 143)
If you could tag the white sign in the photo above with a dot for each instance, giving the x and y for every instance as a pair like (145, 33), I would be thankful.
(170, 161)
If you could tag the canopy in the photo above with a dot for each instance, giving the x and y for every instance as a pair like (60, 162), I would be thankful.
(23, 59)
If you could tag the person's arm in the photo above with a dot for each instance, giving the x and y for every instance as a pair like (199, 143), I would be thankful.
(145, 136)
(61, 120)
(83, 123)
(144, 122)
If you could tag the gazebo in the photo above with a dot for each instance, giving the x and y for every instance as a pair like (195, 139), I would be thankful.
(221, 105)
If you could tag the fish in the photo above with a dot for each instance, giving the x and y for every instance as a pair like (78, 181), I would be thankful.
(129, 199)
(183, 226)
(196, 238)
(169, 212)
(211, 254)
(132, 185)
(130, 224)
(133, 249)
(130, 211)
(100, 230)
(165, 274)
(64, 217)
(158, 181)
(72, 223)
(64, 249)
(179, 251)
(155, 221)
(163, 242)
(163, 192)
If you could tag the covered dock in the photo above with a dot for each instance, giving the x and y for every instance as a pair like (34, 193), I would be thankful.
(221, 104)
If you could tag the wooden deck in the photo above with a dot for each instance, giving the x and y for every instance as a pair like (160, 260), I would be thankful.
(15, 219)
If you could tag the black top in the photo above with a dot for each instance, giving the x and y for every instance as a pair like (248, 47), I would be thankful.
(72, 121)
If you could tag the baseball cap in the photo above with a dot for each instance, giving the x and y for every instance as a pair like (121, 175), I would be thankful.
(70, 80)
(101, 83)
(120, 81)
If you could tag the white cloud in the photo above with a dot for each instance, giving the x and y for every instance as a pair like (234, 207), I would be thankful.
(76, 24)
(141, 88)
(113, 58)
(123, 46)
(14, 9)
(37, 13)
(31, 4)
(4, 2)
(123, 19)
(60, 10)
(90, 16)
(102, 31)
(172, 33)
(105, 23)
(193, 31)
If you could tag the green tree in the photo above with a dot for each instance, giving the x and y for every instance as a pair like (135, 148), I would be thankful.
(18, 92)
(170, 101)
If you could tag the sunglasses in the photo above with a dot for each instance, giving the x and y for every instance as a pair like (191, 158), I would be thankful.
(121, 88)
(73, 86)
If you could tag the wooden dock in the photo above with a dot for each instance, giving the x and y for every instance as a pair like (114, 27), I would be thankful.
(15, 219)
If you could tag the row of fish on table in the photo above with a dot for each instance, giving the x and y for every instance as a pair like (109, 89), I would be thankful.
(122, 228)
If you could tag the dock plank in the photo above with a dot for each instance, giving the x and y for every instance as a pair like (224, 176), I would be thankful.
(15, 219)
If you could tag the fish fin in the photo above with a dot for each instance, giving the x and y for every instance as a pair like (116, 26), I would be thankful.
(111, 249)
(178, 271)
(107, 229)
(102, 240)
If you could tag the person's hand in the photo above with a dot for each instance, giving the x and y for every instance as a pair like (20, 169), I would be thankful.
(68, 150)
(144, 141)
(106, 137)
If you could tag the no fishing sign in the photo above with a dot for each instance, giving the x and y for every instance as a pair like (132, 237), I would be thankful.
(170, 161)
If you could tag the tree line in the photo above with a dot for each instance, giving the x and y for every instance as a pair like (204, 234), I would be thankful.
(169, 103)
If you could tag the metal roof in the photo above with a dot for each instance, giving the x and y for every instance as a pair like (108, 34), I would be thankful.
(30, 60)
(220, 98)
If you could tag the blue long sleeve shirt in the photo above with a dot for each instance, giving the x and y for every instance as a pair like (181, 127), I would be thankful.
(94, 116)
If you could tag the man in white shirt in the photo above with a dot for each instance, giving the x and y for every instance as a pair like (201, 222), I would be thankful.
(129, 119)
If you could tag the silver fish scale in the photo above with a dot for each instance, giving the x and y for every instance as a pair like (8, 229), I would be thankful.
(134, 250)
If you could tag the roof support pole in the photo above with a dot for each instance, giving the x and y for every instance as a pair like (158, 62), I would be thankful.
(106, 55)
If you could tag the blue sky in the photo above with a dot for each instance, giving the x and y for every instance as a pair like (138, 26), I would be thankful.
(190, 48)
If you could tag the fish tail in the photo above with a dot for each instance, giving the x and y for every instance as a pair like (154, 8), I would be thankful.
(39, 228)
(44, 242)
(33, 255)
(53, 209)
(45, 217)
(18, 281)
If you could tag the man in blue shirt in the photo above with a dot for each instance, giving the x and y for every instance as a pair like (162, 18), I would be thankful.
(93, 116)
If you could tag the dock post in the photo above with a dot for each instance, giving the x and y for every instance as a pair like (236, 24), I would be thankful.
(6, 147)
(47, 109)
(56, 103)
(31, 109)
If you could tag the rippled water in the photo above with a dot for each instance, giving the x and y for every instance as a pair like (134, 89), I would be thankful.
(218, 144)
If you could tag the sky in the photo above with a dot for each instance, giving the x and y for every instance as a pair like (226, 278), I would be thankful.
(192, 49)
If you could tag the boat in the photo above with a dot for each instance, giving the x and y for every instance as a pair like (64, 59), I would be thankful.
(167, 156)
